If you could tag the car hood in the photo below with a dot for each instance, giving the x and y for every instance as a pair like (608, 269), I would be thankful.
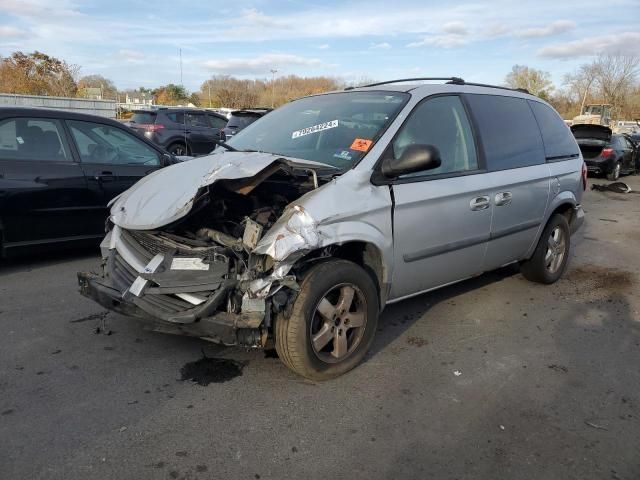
(596, 132)
(168, 194)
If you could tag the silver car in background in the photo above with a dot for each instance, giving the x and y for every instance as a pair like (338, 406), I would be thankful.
(312, 219)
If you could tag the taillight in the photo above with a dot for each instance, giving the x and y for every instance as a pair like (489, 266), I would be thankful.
(584, 176)
(606, 152)
(151, 127)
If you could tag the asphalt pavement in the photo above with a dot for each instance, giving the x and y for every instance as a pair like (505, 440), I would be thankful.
(491, 378)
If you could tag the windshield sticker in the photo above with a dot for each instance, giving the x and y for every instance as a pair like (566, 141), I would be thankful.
(343, 155)
(316, 128)
(361, 144)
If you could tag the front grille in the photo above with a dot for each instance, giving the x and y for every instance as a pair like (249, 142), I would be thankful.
(142, 248)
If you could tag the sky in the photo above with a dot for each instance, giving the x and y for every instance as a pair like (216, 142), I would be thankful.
(137, 43)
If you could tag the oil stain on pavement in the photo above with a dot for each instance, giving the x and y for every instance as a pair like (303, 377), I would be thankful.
(211, 370)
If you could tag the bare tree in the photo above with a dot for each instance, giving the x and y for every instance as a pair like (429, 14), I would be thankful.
(537, 82)
(581, 84)
(616, 75)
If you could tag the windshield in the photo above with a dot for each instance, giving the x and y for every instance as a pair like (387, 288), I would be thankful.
(337, 129)
(593, 110)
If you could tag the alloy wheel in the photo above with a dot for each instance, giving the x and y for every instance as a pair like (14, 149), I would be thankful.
(338, 323)
(556, 250)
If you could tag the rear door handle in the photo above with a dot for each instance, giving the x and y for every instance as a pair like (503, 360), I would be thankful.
(503, 198)
(480, 203)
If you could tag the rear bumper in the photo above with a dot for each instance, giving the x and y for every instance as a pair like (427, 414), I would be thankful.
(577, 219)
(599, 166)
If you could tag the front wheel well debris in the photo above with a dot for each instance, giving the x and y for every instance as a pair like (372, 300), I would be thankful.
(364, 254)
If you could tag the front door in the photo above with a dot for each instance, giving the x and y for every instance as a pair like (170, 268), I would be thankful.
(442, 217)
(112, 158)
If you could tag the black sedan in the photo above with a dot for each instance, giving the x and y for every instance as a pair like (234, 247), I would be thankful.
(604, 152)
(58, 171)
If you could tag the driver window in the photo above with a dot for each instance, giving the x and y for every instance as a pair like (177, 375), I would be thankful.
(104, 144)
(441, 122)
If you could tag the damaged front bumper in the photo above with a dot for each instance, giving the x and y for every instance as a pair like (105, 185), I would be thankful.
(180, 290)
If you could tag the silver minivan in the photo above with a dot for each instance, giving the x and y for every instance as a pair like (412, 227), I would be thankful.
(308, 222)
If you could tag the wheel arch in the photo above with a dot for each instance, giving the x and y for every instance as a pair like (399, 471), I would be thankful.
(364, 254)
(565, 204)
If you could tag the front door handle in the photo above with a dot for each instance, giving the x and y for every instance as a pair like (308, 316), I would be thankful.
(105, 176)
(503, 198)
(480, 203)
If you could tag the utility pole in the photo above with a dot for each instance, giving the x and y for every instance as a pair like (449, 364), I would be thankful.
(273, 86)
(209, 87)
(181, 84)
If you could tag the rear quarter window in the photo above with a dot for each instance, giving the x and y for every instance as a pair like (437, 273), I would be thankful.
(558, 140)
(508, 131)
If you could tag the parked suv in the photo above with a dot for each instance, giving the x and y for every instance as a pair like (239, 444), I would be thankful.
(365, 197)
(58, 172)
(180, 131)
(240, 119)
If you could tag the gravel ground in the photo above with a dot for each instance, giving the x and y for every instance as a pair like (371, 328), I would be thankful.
(492, 378)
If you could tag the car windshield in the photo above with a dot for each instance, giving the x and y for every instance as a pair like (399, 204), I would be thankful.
(594, 110)
(337, 129)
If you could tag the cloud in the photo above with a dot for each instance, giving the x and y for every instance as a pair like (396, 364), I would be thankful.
(38, 9)
(625, 43)
(130, 55)
(324, 46)
(11, 32)
(444, 41)
(259, 65)
(456, 28)
(380, 46)
(559, 26)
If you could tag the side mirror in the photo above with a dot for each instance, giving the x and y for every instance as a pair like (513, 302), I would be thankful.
(414, 158)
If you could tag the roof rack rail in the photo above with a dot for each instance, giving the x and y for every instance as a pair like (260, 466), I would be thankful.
(450, 80)
(454, 80)
(521, 90)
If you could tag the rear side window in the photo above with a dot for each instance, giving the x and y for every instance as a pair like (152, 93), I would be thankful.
(176, 117)
(143, 117)
(508, 131)
(217, 122)
(197, 120)
(38, 139)
(556, 136)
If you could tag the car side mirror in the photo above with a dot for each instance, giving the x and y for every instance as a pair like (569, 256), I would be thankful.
(414, 158)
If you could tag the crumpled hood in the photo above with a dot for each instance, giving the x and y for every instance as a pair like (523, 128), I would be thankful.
(168, 194)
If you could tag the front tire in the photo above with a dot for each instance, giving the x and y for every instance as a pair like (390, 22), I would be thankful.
(332, 321)
(549, 259)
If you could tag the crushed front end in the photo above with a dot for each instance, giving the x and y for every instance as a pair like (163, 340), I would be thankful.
(200, 275)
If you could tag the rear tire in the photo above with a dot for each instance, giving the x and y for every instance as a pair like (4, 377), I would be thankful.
(550, 258)
(332, 322)
(614, 174)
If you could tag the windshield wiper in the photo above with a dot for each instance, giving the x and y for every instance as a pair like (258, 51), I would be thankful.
(227, 146)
